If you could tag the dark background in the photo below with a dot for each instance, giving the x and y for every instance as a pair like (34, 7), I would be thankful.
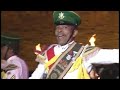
(37, 27)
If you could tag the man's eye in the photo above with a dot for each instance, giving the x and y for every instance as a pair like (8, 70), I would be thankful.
(64, 27)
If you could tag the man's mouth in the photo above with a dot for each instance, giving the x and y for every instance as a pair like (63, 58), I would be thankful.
(60, 36)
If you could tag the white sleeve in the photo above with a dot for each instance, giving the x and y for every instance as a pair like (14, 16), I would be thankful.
(87, 65)
(37, 74)
(105, 56)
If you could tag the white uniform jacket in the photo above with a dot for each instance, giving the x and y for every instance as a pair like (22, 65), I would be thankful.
(104, 56)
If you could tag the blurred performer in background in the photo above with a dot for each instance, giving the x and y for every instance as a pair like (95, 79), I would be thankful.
(12, 66)
(68, 59)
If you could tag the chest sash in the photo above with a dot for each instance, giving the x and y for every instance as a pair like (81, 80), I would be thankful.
(64, 62)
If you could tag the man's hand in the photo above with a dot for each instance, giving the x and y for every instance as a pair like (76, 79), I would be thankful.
(93, 74)
(40, 59)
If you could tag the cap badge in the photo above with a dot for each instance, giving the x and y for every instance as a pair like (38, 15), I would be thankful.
(61, 15)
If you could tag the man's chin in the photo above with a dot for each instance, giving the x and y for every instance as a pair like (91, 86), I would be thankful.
(61, 43)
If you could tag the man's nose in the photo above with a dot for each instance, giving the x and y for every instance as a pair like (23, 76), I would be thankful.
(59, 29)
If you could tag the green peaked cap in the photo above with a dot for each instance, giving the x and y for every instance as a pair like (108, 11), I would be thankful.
(9, 39)
(66, 18)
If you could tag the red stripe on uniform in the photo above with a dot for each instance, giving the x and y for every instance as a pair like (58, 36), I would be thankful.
(37, 51)
(50, 54)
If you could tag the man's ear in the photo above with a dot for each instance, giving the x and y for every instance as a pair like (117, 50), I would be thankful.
(75, 33)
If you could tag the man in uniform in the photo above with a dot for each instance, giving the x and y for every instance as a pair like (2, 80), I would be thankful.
(13, 67)
(68, 59)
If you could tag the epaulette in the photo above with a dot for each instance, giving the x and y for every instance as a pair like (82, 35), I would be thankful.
(90, 51)
(50, 46)
(44, 48)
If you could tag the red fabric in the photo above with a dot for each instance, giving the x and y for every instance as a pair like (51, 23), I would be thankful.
(37, 51)
(50, 54)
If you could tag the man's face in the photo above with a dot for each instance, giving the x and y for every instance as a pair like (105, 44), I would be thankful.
(64, 34)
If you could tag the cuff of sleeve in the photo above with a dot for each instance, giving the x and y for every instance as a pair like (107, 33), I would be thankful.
(88, 66)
